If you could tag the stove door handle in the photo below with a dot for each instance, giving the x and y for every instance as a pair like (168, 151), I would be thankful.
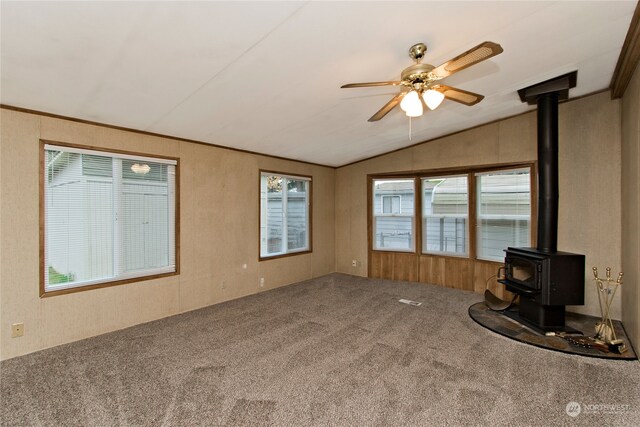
(519, 288)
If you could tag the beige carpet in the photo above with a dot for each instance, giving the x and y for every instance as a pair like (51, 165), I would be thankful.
(337, 350)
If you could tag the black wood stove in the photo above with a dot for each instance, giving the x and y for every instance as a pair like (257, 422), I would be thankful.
(545, 279)
(546, 283)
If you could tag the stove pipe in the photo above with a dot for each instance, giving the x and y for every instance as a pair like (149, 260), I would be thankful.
(548, 172)
(546, 96)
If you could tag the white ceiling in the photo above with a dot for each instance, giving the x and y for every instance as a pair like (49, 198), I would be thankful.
(266, 76)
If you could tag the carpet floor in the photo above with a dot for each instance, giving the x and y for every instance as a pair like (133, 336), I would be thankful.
(333, 351)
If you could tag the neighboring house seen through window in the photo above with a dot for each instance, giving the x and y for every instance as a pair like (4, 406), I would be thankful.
(107, 217)
(284, 214)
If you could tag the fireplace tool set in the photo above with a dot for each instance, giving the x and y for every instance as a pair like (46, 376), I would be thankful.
(605, 331)
(605, 338)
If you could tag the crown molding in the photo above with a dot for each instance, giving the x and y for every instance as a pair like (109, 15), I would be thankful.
(628, 59)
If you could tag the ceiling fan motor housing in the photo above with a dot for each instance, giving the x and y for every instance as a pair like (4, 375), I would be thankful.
(418, 73)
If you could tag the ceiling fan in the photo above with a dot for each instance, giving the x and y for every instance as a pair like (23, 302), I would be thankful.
(419, 81)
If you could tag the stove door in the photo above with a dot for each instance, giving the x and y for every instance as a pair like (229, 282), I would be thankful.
(523, 271)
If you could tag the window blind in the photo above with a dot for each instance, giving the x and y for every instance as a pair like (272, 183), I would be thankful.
(504, 212)
(108, 217)
(445, 202)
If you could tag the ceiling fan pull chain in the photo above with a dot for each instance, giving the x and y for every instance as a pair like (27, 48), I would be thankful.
(409, 128)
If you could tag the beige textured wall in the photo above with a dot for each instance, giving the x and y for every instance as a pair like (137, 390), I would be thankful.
(219, 196)
(590, 195)
(631, 208)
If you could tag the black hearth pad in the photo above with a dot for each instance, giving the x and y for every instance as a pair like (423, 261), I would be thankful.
(503, 325)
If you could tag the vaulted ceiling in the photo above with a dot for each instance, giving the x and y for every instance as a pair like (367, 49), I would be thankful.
(266, 76)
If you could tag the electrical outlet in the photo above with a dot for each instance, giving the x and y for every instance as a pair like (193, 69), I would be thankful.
(222, 284)
(354, 263)
(262, 282)
(17, 330)
(244, 266)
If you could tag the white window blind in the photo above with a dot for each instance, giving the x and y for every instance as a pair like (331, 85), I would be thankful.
(284, 214)
(108, 217)
(445, 204)
(504, 212)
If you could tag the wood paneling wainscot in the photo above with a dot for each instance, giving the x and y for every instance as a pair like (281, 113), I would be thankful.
(394, 266)
(450, 272)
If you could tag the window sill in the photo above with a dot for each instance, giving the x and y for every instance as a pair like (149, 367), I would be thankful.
(490, 260)
(446, 255)
(267, 258)
(46, 294)
(394, 251)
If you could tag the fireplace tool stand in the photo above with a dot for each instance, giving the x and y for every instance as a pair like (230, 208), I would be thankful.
(605, 332)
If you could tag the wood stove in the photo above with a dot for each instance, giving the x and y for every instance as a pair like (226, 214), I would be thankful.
(546, 280)
(546, 283)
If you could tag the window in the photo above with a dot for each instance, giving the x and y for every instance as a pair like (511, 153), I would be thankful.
(107, 217)
(476, 212)
(445, 206)
(284, 214)
(393, 210)
(391, 204)
(503, 212)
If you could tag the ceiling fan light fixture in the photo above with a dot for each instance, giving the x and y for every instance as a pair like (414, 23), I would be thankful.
(411, 104)
(433, 98)
(415, 110)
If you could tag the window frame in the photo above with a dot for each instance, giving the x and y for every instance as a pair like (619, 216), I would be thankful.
(477, 217)
(372, 216)
(309, 249)
(42, 220)
(470, 172)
